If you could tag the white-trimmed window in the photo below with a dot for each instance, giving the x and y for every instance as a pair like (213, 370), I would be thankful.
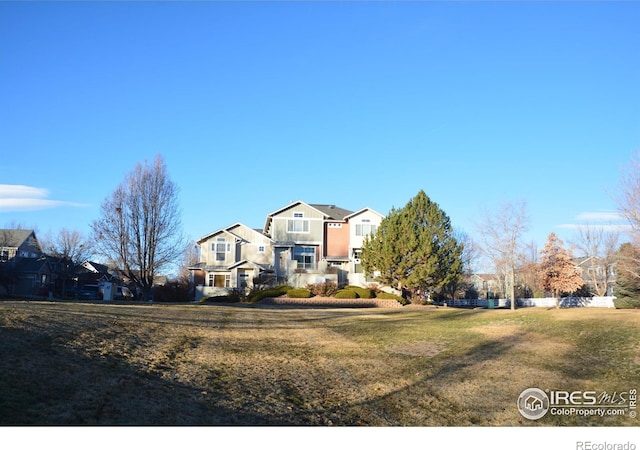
(221, 247)
(298, 224)
(261, 249)
(306, 257)
(220, 280)
(365, 228)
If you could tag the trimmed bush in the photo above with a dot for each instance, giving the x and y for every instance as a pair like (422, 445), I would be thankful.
(362, 292)
(277, 291)
(299, 293)
(231, 298)
(346, 293)
(389, 296)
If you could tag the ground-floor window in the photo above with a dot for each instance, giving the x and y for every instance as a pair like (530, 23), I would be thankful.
(220, 280)
(306, 257)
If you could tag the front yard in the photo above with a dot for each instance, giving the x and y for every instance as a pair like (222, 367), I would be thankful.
(100, 364)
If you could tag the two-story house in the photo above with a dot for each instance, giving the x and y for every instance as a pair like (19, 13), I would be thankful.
(235, 257)
(24, 269)
(316, 242)
(300, 244)
(599, 274)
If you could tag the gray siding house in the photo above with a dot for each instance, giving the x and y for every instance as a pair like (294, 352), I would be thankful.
(300, 244)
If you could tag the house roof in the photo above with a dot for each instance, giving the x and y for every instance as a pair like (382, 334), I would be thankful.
(330, 212)
(218, 231)
(247, 262)
(14, 238)
(95, 267)
(226, 230)
(349, 216)
(32, 265)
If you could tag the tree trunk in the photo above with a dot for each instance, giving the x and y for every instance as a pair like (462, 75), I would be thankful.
(512, 288)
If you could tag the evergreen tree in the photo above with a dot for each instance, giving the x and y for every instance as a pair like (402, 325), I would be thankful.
(627, 286)
(414, 248)
(558, 272)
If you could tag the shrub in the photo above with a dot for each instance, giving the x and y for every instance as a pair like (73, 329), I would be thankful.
(326, 289)
(173, 291)
(258, 295)
(299, 293)
(346, 293)
(362, 292)
(626, 303)
(231, 298)
(389, 296)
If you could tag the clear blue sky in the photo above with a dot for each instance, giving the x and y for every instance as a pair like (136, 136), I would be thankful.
(256, 104)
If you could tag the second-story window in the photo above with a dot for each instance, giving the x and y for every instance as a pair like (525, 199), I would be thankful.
(298, 224)
(365, 228)
(221, 248)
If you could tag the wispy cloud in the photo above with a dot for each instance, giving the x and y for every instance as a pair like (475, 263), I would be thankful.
(17, 197)
(605, 220)
(605, 226)
(600, 216)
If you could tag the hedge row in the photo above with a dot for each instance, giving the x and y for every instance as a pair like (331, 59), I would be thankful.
(349, 292)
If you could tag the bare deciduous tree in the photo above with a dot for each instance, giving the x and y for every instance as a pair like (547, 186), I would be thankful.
(629, 198)
(67, 244)
(600, 246)
(629, 206)
(140, 228)
(501, 235)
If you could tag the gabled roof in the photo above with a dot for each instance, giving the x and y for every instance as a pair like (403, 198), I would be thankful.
(214, 233)
(14, 238)
(246, 261)
(330, 212)
(32, 265)
(95, 267)
(226, 230)
(357, 213)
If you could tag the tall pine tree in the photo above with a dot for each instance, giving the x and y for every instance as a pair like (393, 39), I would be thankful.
(414, 249)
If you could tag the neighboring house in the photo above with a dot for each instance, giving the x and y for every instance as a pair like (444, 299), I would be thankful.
(599, 275)
(486, 285)
(300, 244)
(235, 257)
(91, 272)
(24, 270)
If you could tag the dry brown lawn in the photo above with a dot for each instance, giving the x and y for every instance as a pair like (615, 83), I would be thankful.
(104, 364)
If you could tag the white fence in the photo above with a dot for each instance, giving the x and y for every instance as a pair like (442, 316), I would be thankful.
(549, 302)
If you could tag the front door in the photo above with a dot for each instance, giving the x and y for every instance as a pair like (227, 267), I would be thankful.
(244, 279)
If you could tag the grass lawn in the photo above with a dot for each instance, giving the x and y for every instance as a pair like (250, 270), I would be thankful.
(102, 364)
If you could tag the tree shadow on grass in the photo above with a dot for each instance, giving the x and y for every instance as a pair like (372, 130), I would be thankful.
(424, 396)
(43, 383)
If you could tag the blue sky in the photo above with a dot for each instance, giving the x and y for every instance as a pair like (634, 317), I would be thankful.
(358, 104)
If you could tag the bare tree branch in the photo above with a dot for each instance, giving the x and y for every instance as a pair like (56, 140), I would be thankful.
(140, 228)
(501, 235)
